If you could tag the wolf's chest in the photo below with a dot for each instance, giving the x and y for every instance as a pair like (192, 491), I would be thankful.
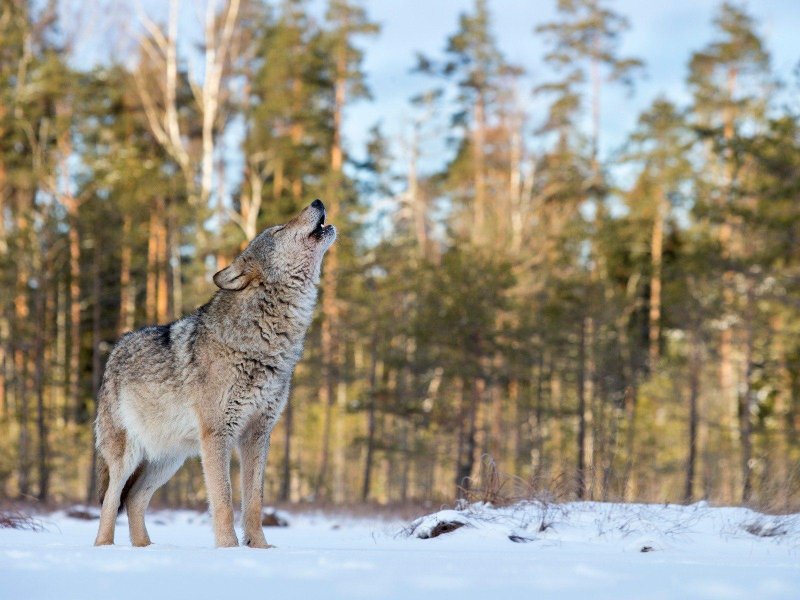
(257, 386)
(257, 373)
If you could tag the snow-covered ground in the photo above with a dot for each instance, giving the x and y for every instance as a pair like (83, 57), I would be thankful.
(578, 550)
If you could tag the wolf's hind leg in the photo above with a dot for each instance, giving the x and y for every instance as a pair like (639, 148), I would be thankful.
(122, 461)
(154, 475)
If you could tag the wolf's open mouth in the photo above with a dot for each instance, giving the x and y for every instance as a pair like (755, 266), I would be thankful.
(321, 228)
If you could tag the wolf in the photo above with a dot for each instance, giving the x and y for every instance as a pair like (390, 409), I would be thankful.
(210, 383)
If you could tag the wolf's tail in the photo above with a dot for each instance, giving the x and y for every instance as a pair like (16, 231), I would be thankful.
(105, 428)
(103, 481)
(126, 489)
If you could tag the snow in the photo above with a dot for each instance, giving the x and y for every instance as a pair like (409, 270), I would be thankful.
(564, 551)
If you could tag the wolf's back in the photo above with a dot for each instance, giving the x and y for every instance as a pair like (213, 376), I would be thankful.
(150, 355)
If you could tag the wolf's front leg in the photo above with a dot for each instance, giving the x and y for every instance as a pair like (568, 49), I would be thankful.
(253, 450)
(215, 449)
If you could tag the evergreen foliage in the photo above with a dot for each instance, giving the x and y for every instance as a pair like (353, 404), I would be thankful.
(607, 325)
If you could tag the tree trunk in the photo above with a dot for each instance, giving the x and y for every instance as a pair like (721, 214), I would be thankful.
(157, 291)
(581, 381)
(405, 461)
(554, 417)
(656, 252)
(479, 166)
(73, 381)
(327, 399)
(42, 296)
(516, 218)
(162, 297)
(496, 425)
(23, 464)
(21, 316)
(726, 350)
(517, 421)
(152, 266)
(62, 336)
(4, 353)
(631, 401)
(371, 418)
(97, 359)
(415, 196)
(171, 274)
(126, 291)
(466, 462)
(748, 401)
(538, 411)
(4, 325)
(694, 392)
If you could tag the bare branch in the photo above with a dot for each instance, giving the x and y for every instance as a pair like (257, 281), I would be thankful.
(149, 106)
(152, 28)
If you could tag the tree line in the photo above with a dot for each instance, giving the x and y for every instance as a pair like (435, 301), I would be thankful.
(619, 325)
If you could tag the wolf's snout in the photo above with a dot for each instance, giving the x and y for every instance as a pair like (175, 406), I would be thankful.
(319, 207)
(321, 231)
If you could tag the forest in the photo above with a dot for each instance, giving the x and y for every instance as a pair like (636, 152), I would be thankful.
(533, 318)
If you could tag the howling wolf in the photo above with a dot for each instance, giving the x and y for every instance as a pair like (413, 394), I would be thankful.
(215, 380)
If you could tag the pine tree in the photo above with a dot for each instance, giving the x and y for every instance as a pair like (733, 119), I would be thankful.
(583, 52)
(659, 149)
(586, 37)
(730, 81)
(474, 64)
(659, 146)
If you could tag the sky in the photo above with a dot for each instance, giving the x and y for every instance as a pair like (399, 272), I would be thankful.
(662, 34)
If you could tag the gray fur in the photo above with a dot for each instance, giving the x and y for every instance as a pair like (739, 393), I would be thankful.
(212, 382)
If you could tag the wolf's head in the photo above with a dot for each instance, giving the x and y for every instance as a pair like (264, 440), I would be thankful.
(289, 254)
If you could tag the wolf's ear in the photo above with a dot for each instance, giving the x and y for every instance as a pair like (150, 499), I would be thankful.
(234, 277)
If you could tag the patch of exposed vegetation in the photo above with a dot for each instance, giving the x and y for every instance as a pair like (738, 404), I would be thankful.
(19, 520)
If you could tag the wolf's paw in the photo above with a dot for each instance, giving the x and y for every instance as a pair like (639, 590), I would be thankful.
(227, 542)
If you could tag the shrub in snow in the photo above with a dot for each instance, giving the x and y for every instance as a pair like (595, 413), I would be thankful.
(519, 523)
(768, 527)
(270, 517)
(431, 526)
